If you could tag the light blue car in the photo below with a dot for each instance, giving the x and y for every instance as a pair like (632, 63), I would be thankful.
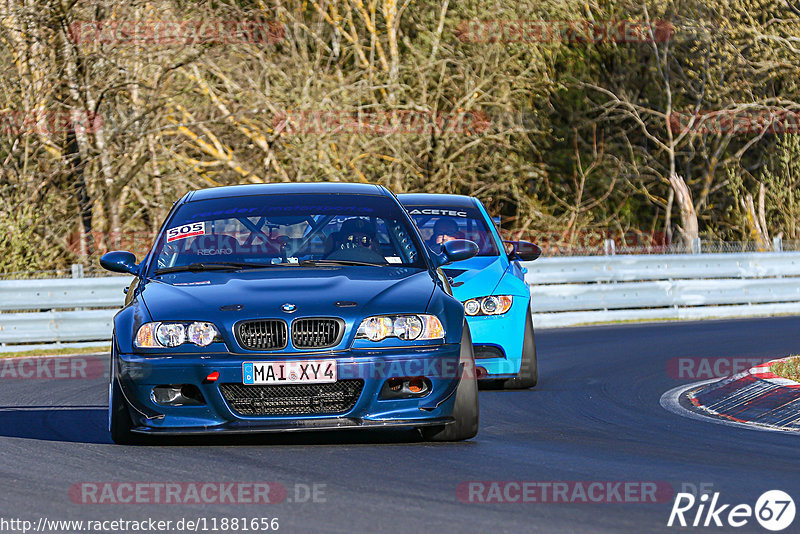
(491, 285)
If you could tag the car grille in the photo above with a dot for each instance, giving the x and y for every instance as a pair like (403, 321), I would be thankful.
(265, 334)
(298, 399)
(316, 333)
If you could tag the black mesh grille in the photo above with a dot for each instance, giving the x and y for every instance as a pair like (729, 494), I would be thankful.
(298, 399)
(316, 333)
(487, 351)
(267, 334)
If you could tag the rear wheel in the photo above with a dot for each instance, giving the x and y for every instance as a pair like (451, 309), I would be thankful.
(466, 410)
(528, 370)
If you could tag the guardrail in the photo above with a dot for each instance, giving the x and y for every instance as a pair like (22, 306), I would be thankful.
(565, 291)
(50, 311)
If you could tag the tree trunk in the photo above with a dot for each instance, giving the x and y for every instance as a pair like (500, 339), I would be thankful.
(668, 219)
(683, 198)
(77, 165)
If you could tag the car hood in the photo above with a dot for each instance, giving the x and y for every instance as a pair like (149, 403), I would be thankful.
(261, 293)
(475, 277)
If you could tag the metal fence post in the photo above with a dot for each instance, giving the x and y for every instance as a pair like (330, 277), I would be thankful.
(696, 246)
(777, 244)
(77, 270)
(609, 247)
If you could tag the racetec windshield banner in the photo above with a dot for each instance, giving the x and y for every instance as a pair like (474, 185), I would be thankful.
(419, 212)
(288, 205)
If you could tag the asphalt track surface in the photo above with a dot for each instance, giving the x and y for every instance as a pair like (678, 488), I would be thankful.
(595, 416)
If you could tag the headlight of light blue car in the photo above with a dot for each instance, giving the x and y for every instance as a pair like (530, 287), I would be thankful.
(172, 334)
(405, 327)
(491, 305)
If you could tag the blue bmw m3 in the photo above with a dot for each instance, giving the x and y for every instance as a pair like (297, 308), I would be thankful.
(491, 285)
(283, 307)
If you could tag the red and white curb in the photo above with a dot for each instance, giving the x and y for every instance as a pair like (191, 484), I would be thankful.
(762, 372)
(755, 398)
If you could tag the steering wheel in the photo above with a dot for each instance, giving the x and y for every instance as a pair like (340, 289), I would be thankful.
(354, 252)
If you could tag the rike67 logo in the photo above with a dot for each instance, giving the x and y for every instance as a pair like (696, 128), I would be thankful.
(774, 510)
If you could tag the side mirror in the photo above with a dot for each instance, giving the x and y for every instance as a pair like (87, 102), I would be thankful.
(523, 251)
(456, 250)
(119, 261)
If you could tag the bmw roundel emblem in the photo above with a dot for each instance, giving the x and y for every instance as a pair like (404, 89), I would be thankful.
(289, 308)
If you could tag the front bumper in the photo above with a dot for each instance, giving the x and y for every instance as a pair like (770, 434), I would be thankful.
(139, 374)
(300, 425)
(503, 337)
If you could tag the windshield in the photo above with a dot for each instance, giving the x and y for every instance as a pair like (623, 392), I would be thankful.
(439, 225)
(289, 229)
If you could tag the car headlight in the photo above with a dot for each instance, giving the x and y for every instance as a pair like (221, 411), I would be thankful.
(170, 334)
(202, 334)
(405, 327)
(173, 334)
(491, 305)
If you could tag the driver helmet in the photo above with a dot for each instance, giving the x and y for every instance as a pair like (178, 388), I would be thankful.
(445, 230)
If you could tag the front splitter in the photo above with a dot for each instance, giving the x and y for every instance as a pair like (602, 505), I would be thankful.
(335, 423)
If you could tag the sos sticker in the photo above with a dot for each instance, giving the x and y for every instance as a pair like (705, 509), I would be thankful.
(187, 230)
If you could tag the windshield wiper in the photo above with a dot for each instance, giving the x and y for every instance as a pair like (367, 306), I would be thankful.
(323, 263)
(197, 267)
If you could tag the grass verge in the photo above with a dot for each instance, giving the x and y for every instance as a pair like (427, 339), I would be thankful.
(787, 369)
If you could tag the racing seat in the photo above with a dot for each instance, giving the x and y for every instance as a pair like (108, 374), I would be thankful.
(354, 242)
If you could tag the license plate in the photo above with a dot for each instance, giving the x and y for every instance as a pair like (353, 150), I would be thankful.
(291, 372)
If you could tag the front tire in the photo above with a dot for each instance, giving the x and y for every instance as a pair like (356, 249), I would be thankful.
(119, 418)
(465, 411)
(119, 422)
(528, 370)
